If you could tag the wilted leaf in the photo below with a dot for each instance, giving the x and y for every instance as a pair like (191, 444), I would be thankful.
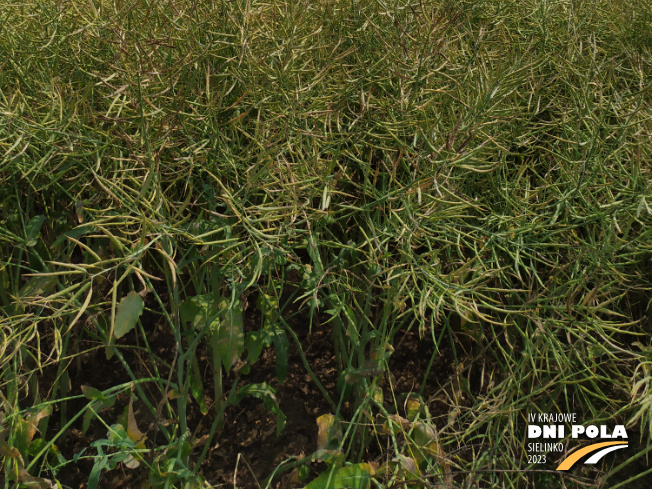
(350, 477)
(396, 424)
(131, 462)
(409, 465)
(34, 420)
(31, 482)
(132, 428)
(326, 430)
(8, 451)
(331, 457)
(129, 310)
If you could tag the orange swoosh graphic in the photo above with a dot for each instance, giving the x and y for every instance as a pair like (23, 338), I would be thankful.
(575, 456)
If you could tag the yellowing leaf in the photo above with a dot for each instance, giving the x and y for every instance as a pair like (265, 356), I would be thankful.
(413, 407)
(325, 424)
(34, 419)
(129, 310)
(395, 424)
(133, 432)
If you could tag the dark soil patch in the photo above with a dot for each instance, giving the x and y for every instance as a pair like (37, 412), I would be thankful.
(247, 449)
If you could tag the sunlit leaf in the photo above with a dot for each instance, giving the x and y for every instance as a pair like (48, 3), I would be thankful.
(269, 306)
(349, 477)
(200, 310)
(255, 341)
(129, 310)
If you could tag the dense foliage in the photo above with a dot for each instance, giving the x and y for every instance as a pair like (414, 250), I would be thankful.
(476, 171)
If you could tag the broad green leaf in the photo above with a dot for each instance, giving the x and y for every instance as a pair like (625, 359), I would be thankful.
(86, 422)
(199, 310)
(424, 434)
(92, 393)
(349, 477)
(73, 233)
(33, 229)
(230, 335)
(255, 341)
(117, 433)
(282, 347)
(129, 310)
(267, 394)
(38, 286)
(280, 256)
(36, 446)
(268, 305)
(96, 471)
(196, 386)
